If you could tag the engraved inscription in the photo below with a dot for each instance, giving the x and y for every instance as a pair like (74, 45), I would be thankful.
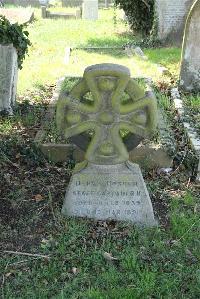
(118, 197)
(172, 15)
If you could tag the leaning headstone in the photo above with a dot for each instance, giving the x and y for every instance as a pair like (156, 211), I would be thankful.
(190, 65)
(171, 17)
(8, 77)
(90, 10)
(107, 185)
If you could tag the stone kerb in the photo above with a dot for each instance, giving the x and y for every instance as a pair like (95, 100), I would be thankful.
(46, 14)
(171, 16)
(8, 77)
(190, 62)
(55, 152)
(191, 134)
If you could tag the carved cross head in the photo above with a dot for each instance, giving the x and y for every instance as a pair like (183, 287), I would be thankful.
(106, 104)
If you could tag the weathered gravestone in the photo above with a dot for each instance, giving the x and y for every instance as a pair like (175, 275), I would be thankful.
(171, 16)
(90, 10)
(190, 65)
(106, 185)
(8, 77)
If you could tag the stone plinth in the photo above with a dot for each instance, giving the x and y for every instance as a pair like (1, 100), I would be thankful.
(190, 65)
(171, 17)
(116, 192)
(90, 10)
(8, 77)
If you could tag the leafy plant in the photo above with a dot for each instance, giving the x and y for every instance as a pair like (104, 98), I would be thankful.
(16, 35)
(140, 14)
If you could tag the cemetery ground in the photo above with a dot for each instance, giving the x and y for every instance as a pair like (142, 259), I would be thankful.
(43, 254)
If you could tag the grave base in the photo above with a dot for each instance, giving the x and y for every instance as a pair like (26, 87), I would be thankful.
(105, 192)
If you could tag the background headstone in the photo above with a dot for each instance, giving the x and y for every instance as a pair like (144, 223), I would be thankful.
(190, 65)
(90, 10)
(8, 77)
(171, 17)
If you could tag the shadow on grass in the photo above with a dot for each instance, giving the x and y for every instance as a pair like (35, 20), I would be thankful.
(118, 40)
(107, 46)
(116, 53)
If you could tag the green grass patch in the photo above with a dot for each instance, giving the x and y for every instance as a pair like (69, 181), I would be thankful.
(168, 57)
(50, 37)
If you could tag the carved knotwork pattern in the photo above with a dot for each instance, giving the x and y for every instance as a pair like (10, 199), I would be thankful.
(107, 114)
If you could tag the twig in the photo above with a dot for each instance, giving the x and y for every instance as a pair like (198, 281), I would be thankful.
(27, 254)
(147, 5)
(188, 183)
(42, 209)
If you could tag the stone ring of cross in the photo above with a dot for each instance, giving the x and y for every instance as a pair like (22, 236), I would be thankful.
(117, 106)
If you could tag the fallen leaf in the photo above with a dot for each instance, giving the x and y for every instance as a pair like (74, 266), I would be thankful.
(108, 256)
(38, 197)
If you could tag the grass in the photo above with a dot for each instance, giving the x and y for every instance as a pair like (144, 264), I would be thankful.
(160, 262)
(49, 38)
(168, 57)
(45, 63)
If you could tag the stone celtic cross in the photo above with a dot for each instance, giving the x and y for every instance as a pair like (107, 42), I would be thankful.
(105, 105)
(115, 104)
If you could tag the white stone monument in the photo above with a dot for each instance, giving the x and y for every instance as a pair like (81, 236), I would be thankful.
(190, 64)
(106, 185)
(8, 77)
(171, 17)
(90, 10)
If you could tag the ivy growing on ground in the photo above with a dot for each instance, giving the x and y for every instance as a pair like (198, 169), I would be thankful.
(16, 35)
(140, 14)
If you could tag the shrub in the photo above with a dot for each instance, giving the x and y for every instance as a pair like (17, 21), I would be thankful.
(16, 35)
(140, 14)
